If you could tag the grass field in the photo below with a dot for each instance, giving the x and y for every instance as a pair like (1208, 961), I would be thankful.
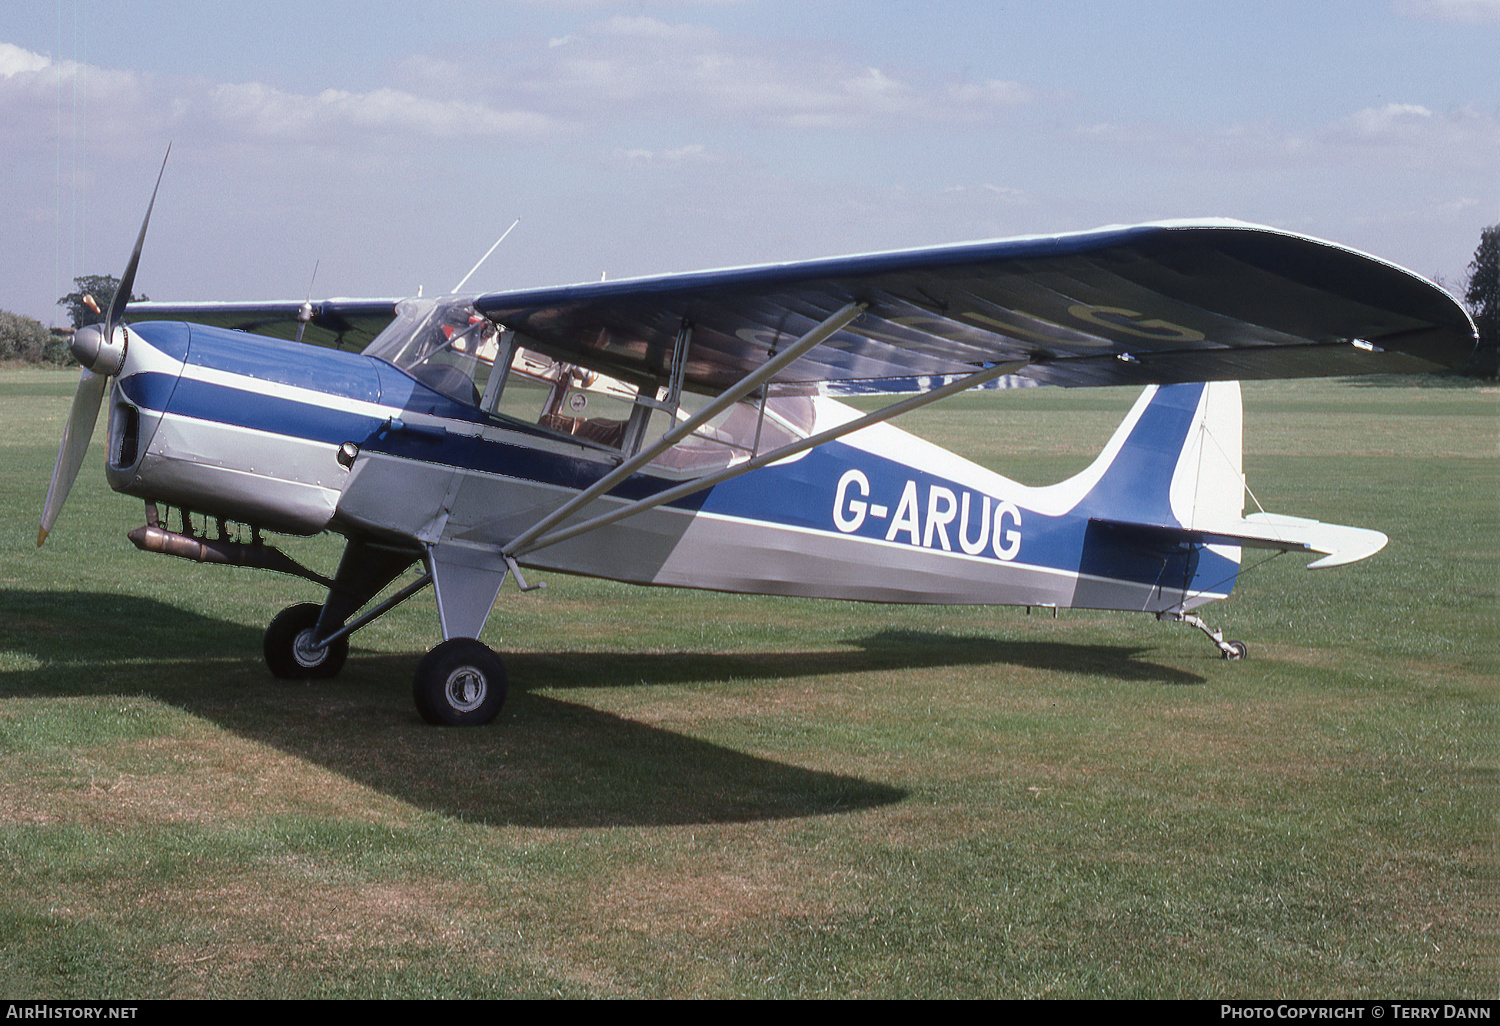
(699, 795)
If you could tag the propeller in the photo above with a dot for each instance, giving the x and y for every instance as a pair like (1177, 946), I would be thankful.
(100, 348)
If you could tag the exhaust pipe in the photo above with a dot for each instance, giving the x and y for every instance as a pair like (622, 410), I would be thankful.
(259, 556)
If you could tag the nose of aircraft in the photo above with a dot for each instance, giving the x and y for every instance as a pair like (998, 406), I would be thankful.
(100, 349)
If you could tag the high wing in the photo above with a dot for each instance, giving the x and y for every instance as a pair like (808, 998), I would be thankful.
(337, 323)
(1157, 303)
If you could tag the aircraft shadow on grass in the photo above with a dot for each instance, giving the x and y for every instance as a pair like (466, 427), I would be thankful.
(549, 763)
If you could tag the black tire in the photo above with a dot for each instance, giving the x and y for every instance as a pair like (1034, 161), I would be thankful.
(293, 628)
(461, 683)
(1238, 651)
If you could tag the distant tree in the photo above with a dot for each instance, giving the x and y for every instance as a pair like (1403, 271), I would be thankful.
(24, 338)
(102, 287)
(1483, 297)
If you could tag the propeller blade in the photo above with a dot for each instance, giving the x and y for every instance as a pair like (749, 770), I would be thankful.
(75, 445)
(127, 280)
(93, 347)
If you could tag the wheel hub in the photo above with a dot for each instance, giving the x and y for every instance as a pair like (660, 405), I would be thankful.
(466, 688)
(303, 651)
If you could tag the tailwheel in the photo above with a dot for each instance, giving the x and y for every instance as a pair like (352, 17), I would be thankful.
(1233, 651)
(461, 683)
(289, 649)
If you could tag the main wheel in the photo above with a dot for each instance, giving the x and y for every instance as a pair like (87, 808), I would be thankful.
(1237, 651)
(461, 683)
(287, 642)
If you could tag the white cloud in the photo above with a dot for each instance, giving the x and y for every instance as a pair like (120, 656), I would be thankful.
(636, 66)
(34, 88)
(1401, 135)
(269, 112)
(692, 154)
(1472, 12)
(1374, 122)
(23, 73)
(44, 99)
(15, 61)
(1466, 138)
(631, 65)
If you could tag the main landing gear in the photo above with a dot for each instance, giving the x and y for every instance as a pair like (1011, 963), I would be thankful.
(459, 683)
(291, 650)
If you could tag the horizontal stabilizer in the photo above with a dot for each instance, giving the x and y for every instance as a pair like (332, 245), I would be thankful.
(1339, 544)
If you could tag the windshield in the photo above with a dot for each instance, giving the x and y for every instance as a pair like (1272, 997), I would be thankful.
(443, 343)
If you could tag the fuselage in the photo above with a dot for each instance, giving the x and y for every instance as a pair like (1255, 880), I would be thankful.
(252, 429)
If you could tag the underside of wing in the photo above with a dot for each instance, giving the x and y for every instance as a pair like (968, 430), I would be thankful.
(336, 323)
(1158, 303)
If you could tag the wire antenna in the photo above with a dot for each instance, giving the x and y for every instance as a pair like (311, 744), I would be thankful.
(485, 257)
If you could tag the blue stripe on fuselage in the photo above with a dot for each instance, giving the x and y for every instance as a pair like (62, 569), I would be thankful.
(804, 493)
(901, 502)
(256, 359)
(255, 411)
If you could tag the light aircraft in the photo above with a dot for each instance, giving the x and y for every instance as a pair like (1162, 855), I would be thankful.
(679, 431)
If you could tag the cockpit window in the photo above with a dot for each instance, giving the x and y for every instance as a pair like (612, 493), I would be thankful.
(737, 434)
(567, 399)
(447, 346)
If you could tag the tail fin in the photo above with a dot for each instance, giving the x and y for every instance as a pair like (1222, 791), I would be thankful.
(1174, 469)
(1171, 469)
(1174, 461)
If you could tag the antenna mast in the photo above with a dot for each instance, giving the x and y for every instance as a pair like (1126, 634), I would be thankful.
(485, 257)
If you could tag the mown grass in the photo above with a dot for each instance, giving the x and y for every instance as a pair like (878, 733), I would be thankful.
(692, 794)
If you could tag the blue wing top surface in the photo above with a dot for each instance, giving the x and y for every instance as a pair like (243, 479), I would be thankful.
(1170, 302)
(1156, 303)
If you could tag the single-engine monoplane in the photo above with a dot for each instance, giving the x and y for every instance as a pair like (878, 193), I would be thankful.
(681, 430)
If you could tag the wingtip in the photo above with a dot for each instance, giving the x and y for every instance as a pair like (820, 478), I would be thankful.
(41, 536)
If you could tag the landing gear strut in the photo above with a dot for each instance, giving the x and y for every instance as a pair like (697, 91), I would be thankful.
(1234, 651)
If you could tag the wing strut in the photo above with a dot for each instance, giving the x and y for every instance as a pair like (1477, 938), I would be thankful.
(749, 383)
(709, 480)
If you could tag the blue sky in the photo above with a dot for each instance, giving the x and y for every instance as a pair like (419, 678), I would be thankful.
(390, 143)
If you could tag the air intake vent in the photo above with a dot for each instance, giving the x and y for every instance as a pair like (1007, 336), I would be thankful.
(125, 436)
